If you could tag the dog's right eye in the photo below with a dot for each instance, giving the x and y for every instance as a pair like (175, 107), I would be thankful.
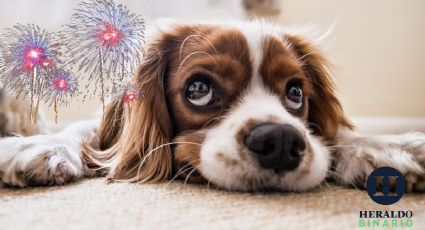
(200, 93)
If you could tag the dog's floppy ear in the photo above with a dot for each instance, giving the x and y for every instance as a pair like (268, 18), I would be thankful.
(132, 142)
(325, 113)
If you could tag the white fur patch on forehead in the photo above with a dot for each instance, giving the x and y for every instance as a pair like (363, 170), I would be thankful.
(254, 33)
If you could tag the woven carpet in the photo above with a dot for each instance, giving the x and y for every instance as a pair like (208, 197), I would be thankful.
(94, 204)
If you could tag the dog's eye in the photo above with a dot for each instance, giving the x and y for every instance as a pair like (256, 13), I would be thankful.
(200, 93)
(294, 97)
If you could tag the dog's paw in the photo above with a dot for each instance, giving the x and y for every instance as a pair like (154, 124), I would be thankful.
(414, 144)
(38, 160)
(405, 152)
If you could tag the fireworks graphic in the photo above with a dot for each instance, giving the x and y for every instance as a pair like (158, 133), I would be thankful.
(60, 88)
(127, 92)
(105, 43)
(28, 54)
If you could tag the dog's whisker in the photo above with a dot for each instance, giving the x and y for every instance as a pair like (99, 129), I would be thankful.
(315, 125)
(188, 175)
(159, 147)
(226, 182)
(195, 53)
(326, 183)
(210, 43)
(302, 58)
(183, 170)
(193, 36)
(342, 146)
(208, 184)
(211, 120)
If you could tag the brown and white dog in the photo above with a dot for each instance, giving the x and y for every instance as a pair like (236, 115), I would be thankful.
(241, 105)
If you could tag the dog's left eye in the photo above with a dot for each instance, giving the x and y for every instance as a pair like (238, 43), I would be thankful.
(200, 93)
(294, 97)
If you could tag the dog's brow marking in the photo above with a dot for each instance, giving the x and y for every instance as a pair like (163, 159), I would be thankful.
(191, 36)
(195, 53)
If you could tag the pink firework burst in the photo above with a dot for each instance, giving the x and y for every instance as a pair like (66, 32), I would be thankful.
(110, 35)
(29, 54)
(104, 41)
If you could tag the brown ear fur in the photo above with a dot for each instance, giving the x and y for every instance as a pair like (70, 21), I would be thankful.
(132, 137)
(325, 111)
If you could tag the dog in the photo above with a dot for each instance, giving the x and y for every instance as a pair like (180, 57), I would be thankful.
(244, 106)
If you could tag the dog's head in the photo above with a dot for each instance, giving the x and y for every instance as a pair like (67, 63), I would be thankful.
(242, 105)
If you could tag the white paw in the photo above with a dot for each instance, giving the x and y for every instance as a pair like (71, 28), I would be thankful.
(415, 145)
(405, 152)
(39, 160)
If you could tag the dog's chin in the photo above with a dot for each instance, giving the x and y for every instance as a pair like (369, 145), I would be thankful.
(245, 174)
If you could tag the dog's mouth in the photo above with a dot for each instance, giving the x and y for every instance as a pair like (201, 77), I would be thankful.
(274, 157)
(259, 165)
(259, 156)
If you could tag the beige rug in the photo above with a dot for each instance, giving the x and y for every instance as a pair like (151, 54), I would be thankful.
(93, 204)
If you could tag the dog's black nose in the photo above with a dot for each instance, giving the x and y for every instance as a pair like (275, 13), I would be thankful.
(277, 147)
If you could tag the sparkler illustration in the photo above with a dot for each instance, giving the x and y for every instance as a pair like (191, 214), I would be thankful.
(28, 54)
(128, 93)
(61, 87)
(105, 42)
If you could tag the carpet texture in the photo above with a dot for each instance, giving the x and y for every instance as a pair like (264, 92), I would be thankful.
(94, 204)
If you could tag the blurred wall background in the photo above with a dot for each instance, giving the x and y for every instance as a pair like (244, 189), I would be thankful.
(378, 50)
(377, 46)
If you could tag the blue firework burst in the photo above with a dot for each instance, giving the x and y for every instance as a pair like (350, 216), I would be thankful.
(61, 86)
(28, 54)
(105, 42)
